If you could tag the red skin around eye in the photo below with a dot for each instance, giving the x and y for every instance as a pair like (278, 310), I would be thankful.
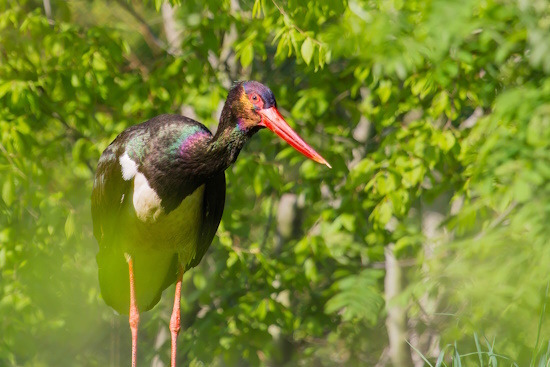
(259, 103)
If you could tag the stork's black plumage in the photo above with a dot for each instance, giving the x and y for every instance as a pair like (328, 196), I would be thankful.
(159, 194)
(149, 154)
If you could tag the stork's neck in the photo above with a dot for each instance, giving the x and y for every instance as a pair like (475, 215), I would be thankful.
(225, 146)
(215, 154)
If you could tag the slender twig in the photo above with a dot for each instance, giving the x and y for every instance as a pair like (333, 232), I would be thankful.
(173, 36)
(384, 356)
(269, 221)
(73, 130)
(313, 227)
(156, 40)
(402, 263)
(48, 11)
(340, 97)
(11, 162)
(497, 221)
(135, 63)
(284, 14)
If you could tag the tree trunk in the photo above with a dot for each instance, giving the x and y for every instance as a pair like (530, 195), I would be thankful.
(172, 35)
(396, 322)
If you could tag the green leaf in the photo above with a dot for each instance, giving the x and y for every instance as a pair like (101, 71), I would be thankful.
(98, 62)
(358, 296)
(8, 192)
(5, 88)
(257, 9)
(226, 342)
(247, 55)
(384, 90)
(258, 184)
(447, 141)
(232, 259)
(261, 310)
(158, 4)
(522, 191)
(2, 258)
(310, 270)
(199, 280)
(307, 50)
(69, 225)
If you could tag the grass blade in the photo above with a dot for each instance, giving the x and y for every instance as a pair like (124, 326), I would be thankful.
(439, 361)
(457, 357)
(478, 347)
(535, 351)
(420, 354)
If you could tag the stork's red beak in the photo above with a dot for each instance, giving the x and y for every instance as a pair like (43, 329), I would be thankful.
(272, 119)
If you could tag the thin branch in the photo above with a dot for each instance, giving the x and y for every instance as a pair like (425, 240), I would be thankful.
(384, 357)
(497, 221)
(173, 36)
(157, 41)
(48, 11)
(284, 14)
(268, 224)
(340, 97)
(73, 130)
(402, 263)
(135, 63)
(11, 162)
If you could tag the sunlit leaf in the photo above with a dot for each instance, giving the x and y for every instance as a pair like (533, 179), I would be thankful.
(307, 50)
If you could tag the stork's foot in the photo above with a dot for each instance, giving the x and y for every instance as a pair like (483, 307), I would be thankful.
(174, 330)
(175, 319)
(134, 312)
(134, 322)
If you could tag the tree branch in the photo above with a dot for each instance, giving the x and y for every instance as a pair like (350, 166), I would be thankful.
(159, 44)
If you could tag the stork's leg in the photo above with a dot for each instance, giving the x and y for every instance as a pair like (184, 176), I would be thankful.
(175, 319)
(134, 312)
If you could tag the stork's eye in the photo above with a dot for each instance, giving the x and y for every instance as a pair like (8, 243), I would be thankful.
(256, 101)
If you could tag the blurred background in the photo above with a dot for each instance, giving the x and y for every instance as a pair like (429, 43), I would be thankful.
(426, 244)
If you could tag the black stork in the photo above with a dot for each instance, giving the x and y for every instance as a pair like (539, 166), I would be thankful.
(159, 194)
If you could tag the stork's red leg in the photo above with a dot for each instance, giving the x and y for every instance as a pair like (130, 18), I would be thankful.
(134, 312)
(175, 319)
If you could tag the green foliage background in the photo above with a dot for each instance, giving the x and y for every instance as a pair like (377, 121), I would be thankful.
(425, 109)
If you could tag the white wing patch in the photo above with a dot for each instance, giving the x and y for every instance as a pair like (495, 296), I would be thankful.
(129, 167)
(146, 201)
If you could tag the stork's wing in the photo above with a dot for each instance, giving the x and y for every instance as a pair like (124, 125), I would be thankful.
(214, 201)
(108, 196)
